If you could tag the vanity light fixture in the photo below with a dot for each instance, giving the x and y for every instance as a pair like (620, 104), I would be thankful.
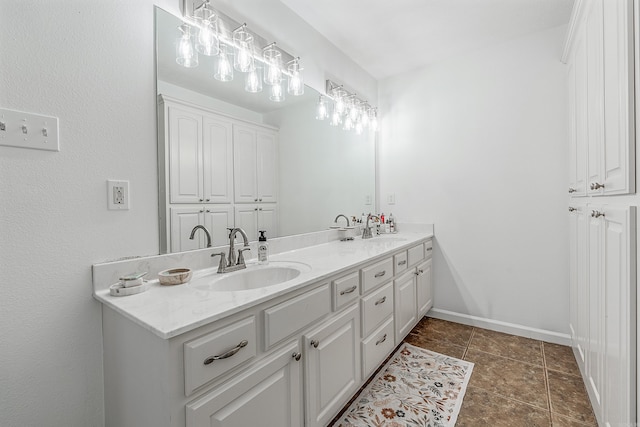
(238, 49)
(353, 112)
(186, 55)
(321, 109)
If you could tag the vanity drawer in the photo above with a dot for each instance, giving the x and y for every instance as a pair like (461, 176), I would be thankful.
(284, 319)
(416, 254)
(377, 347)
(400, 263)
(376, 307)
(218, 352)
(428, 248)
(376, 274)
(345, 290)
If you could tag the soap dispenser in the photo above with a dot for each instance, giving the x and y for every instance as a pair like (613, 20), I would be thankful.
(263, 248)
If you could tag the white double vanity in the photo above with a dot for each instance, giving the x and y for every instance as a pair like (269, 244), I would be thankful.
(216, 351)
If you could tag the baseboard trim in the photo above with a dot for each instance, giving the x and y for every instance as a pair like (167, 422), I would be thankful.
(499, 326)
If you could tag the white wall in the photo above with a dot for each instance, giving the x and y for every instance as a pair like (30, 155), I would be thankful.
(476, 145)
(92, 65)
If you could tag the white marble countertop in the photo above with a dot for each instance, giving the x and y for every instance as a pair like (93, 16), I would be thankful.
(169, 311)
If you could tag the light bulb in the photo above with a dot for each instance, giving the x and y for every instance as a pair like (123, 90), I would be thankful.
(185, 53)
(253, 82)
(340, 103)
(321, 110)
(243, 42)
(277, 94)
(273, 62)
(348, 123)
(374, 121)
(296, 85)
(335, 118)
(207, 39)
(358, 127)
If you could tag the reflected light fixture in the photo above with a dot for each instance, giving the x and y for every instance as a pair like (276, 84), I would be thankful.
(353, 112)
(207, 41)
(276, 93)
(253, 82)
(273, 64)
(296, 83)
(186, 55)
(223, 69)
(243, 60)
(321, 109)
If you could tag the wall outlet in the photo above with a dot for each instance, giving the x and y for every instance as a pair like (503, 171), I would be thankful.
(117, 195)
(367, 199)
(391, 199)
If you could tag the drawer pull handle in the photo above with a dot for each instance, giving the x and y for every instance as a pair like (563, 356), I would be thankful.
(419, 272)
(429, 249)
(210, 360)
(403, 262)
(381, 300)
(380, 274)
(348, 291)
(296, 356)
(315, 343)
(381, 340)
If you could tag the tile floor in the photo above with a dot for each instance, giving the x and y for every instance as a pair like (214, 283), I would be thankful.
(516, 381)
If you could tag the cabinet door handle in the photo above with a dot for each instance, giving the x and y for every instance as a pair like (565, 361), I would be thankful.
(208, 200)
(572, 190)
(348, 291)
(419, 272)
(381, 301)
(381, 340)
(315, 343)
(201, 210)
(209, 360)
(403, 262)
(202, 200)
(259, 200)
(380, 274)
(297, 356)
(255, 200)
(597, 214)
(572, 209)
(259, 209)
(430, 249)
(596, 185)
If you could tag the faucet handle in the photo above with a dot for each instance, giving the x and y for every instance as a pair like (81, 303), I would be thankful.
(223, 261)
(241, 255)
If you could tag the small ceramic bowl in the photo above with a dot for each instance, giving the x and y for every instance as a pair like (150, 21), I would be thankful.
(174, 276)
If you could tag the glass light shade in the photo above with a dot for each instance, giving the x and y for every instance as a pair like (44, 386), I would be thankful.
(186, 55)
(321, 109)
(353, 109)
(253, 82)
(364, 117)
(273, 65)
(340, 106)
(296, 83)
(276, 94)
(348, 123)
(223, 68)
(373, 119)
(207, 41)
(335, 118)
(243, 48)
(358, 127)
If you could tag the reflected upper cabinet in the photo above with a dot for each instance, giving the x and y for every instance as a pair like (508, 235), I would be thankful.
(601, 87)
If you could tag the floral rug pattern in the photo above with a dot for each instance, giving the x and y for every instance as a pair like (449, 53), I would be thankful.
(417, 387)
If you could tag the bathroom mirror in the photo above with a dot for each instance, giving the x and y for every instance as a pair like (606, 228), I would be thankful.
(322, 170)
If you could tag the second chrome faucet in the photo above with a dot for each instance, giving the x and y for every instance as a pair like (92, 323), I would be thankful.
(233, 264)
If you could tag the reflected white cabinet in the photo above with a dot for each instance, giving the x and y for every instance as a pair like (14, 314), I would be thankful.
(216, 219)
(600, 78)
(269, 394)
(332, 366)
(255, 164)
(252, 218)
(200, 156)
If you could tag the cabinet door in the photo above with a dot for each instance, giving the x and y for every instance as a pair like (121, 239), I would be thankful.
(246, 217)
(619, 283)
(579, 314)
(332, 366)
(217, 150)
(267, 163)
(424, 285)
(269, 394)
(268, 219)
(185, 156)
(618, 153)
(595, 345)
(406, 315)
(217, 219)
(595, 94)
(244, 164)
(182, 222)
(581, 113)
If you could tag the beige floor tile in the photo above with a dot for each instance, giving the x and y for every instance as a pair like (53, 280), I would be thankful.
(560, 358)
(509, 378)
(482, 408)
(505, 345)
(569, 397)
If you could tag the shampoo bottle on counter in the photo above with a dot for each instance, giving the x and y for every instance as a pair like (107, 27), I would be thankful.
(392, 224)
(263, 248)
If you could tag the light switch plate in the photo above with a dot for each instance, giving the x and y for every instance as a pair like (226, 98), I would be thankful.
(27, 130)
(391, 199)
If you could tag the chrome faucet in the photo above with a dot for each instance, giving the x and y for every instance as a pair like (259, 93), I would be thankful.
(200, 227)
(343, 216)
(366, 233)
(232, 264)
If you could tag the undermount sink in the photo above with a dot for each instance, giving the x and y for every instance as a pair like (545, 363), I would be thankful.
(253, 277)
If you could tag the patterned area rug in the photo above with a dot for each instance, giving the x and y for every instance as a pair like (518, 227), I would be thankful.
(417, 387)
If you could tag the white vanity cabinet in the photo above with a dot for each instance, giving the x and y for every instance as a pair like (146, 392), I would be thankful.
(255, 164)
(254, 217)
(293, 360)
